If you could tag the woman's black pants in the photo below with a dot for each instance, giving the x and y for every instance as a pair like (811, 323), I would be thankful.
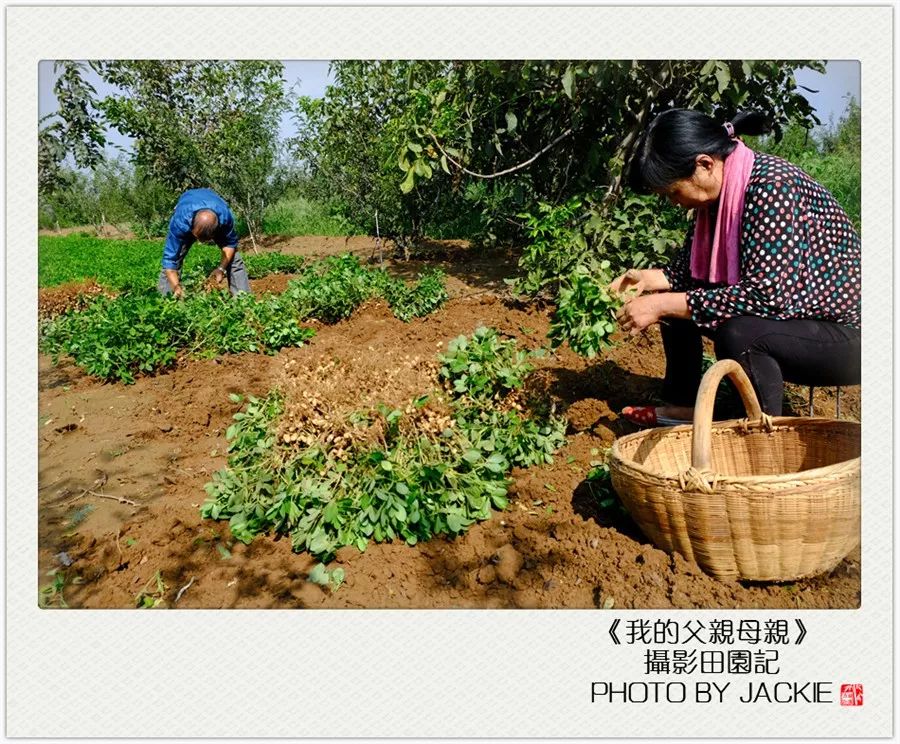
(803, 351)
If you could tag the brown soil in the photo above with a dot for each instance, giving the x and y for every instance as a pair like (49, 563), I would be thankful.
(361, 245)
(120, 232)
(156, 443)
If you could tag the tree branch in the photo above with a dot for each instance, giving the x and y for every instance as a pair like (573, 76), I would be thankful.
(506, 172)
(623, 151)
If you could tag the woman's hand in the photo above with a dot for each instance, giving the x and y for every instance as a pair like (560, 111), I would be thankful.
(638, 281)
(631, 281)
(638, 314)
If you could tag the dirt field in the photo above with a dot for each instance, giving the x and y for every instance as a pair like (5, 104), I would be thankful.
(156, 444)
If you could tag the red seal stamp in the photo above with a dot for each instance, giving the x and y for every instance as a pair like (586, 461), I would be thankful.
(851, 694)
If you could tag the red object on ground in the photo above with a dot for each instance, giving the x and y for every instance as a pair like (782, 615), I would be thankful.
(640, 415)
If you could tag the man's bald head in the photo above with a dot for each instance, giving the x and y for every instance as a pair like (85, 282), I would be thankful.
(204, 225)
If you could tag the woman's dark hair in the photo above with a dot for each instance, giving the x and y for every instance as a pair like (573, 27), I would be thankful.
(668, 148)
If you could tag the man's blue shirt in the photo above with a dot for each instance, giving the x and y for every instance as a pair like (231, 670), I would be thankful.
(180, 239)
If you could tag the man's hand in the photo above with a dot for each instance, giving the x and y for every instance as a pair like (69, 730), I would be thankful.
(173, 277)
(217, 276)
(638, 314)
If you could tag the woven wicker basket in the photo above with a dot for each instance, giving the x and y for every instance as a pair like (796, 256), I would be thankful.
(761, 498)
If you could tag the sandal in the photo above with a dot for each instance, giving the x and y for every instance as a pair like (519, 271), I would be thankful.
(647, 417)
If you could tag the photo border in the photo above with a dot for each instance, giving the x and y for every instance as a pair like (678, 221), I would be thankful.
(422, 673)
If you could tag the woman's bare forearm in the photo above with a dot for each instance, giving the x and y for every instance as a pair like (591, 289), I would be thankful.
(655, 280)
(672, 305)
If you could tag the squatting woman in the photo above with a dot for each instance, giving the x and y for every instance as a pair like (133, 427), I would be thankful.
(770, 269)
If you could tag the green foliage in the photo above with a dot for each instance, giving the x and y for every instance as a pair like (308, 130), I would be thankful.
(520, 440)
(329, 579)
(574, 253)
(201, 123)
(547, 141)
(484, 366)
(333, 288)
(491, 117)
(115, 193)
(52, 595)
(297, 215)
(72, 202)
(151, 203)
(351, 143)
(152, 594)
(51, 154)
(262, 264)
(411, 486)
(132, 264)
(144, 332)
(116, 339)
(419, 299)
(585, 311)
(73, 130)
(117, 264)
(555, 245)
(635, 232)
(487, 115)
(599, 484)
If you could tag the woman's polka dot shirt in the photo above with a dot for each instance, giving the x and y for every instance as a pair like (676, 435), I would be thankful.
(800, 255)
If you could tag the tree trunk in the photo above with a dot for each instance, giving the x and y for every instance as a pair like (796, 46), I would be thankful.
(626, 146)
(252, 239)
(249, 220)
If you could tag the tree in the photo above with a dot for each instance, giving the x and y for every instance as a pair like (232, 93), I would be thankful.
(348, 142)
(114, 192)
(202, 123)
(73, 129)
(560, 129)
(550, 140)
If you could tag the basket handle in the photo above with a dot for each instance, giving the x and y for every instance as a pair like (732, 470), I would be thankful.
(701, 446)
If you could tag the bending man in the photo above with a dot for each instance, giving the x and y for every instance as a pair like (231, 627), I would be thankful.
(201, 214)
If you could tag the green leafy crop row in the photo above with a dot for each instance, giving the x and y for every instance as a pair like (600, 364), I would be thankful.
(332, 289)
(262, 264)
(135, 264)
(144, 332)
(411, 484)
(116, 264)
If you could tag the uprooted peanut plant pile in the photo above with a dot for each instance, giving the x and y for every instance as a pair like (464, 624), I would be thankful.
(333, 468)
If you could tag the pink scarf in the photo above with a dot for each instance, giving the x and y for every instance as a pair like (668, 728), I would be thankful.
(718, 260)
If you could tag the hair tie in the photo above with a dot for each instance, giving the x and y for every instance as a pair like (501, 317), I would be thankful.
(729, 129)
